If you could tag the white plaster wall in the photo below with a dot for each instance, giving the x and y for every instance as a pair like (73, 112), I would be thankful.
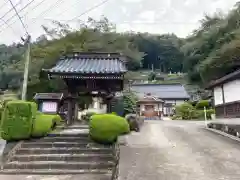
(170, 101)
(218, 96)
(179, 102)
(232, 91)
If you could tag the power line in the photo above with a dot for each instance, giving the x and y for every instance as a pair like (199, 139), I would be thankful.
(9, 19)
(38, 4)
(10, 10)
(125, 22)
(3, 5)
(19, 16)
(9, 25)
(5, 22)
(56, 4)
(91, 9)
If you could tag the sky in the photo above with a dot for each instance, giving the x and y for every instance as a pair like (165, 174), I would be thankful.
(154, 16)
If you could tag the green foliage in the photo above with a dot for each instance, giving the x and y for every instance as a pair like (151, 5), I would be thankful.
(177, 117)
(129, 102)
(200, 114)
(143, 50)
(203, 103)
(152, 76)
(44, 123)
(105, 128)
(186, 111)
(213, 50)
(17, 120)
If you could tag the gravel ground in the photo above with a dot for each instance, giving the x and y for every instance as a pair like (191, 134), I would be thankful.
(179, 150)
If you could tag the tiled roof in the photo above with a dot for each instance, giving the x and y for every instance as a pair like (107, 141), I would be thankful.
(162, 91)
(90, 63)
(150, 99)
(229, 77)
(44, 96)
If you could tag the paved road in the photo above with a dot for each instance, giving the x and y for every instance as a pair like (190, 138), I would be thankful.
(179, 150)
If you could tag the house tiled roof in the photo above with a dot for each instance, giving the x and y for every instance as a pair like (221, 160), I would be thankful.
(150, 98)
(229, 77)
(162, 91)
(90, 63)
(44, 96)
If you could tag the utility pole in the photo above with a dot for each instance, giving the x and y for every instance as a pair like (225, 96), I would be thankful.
(27, 60)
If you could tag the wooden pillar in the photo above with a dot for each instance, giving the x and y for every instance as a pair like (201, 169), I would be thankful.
(72, 101)
(70, 110)
(108, 105)
(76, 111)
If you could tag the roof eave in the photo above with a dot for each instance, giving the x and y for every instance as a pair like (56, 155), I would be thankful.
(225, 79)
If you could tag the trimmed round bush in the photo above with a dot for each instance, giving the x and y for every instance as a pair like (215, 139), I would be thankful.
(17, 120)
(105, 128)
(44, 123)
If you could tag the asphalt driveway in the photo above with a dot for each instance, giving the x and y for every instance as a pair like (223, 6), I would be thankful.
(179, 150)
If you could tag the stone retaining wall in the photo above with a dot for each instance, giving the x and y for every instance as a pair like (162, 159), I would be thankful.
(116, 153)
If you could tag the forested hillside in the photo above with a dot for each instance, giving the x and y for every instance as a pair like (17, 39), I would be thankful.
(213, 50)
(209, 53)
(143, 51)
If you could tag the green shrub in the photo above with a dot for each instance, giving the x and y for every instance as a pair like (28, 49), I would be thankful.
(202, 103)
(17, 120)
(199, 114)
(44, 123)
(176, 117)
(152, 76)
(105, 128)
(186, 111)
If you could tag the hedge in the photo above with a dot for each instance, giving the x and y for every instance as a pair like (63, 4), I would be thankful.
(17, 120)
(44, 123)
(105, 128)
(203, 103)
(185, 110)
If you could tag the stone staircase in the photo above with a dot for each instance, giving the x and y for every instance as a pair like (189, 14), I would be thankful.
(69, 152)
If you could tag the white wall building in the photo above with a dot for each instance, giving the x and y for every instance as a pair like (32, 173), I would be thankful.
(226, 94)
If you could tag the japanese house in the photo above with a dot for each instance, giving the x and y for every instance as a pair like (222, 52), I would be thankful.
(86, 73)
(226, 96)
(150, 106)
(169, 94)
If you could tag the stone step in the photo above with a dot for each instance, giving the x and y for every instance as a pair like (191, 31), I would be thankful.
(59, 165)
(62, 139)
(68, 134)
(73, 127)
(62, 144)
(63, 157)
(83, 174)
(28, 151)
